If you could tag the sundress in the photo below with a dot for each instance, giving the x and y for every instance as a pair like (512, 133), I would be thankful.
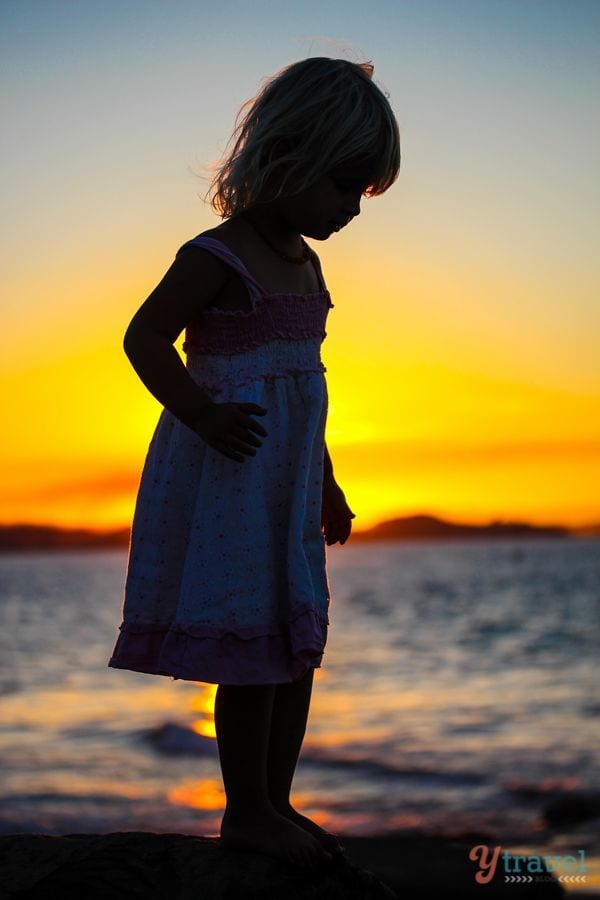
(226, 578)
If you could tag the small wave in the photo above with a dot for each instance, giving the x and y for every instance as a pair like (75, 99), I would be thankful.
(174, 739)
(368, 766)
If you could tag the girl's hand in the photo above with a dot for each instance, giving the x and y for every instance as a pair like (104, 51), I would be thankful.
(230, 429)
(336, 515)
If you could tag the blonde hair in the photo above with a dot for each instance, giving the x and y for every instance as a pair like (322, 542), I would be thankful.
(309, 118)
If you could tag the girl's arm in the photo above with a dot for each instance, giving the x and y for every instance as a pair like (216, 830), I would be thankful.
(336, 515)
(161, 369)
(327, 466)
(193, 281)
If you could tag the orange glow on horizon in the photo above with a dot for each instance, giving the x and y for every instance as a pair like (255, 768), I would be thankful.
(544, 485)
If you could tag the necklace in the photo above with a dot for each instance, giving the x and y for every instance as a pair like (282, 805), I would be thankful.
(291, 259)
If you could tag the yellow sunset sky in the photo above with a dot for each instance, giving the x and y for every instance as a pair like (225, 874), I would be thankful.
(462, 351)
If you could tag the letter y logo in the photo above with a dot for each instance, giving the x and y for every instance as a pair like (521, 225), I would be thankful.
(487, 866)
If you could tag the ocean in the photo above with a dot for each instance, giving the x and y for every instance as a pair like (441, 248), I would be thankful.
(458, 696)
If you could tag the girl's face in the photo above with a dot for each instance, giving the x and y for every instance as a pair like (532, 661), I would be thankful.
(328, 205)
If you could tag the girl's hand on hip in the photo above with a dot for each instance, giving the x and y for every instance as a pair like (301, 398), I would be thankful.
(336, 515)
(230, 429)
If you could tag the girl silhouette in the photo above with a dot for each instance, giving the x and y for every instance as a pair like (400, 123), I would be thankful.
(226, 577)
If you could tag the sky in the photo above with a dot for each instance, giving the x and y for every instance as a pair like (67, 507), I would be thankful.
(462, 351)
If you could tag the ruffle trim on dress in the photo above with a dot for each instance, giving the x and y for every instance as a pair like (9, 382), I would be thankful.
(225, 345)
(266, 298)
(232, 381)
(276, 357)
(244, 655)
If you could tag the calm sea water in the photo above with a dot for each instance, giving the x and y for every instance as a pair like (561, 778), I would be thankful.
(458, 693)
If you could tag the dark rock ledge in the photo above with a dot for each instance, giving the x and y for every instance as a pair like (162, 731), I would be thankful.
(149, 866)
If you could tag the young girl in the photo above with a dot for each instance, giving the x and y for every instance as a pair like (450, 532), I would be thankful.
(226, 578)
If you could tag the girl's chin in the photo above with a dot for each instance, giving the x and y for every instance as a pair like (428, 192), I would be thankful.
(320, 232)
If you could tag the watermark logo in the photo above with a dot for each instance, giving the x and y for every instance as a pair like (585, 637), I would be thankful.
(519, 869)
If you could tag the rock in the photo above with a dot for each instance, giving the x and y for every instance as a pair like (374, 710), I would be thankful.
(147, 866)
(132, 865)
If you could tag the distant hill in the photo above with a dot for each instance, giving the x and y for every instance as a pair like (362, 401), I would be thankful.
(587, 530)
(49, 537)
(429, 527)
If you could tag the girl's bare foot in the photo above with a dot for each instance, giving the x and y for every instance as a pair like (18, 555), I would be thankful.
(328, 841)
(271, 833)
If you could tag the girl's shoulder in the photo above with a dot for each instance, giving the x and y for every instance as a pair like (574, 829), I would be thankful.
(226, 234)
(220, 234)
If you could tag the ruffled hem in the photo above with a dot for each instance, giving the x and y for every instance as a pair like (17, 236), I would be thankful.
(242, 657)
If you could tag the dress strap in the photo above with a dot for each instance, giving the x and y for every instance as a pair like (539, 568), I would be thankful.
(228, 256)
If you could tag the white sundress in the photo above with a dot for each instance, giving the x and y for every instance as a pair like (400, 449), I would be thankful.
(226, 577)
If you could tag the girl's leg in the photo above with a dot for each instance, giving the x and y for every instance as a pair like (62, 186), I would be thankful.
(289, 716)
(242, 722)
